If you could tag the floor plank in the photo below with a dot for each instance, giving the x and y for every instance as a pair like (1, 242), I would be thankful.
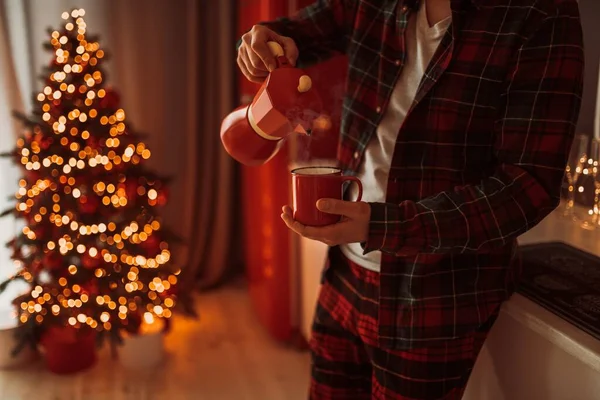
(223, 355)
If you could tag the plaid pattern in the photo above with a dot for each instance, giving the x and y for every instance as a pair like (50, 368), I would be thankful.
(349, 364)
(479, 159)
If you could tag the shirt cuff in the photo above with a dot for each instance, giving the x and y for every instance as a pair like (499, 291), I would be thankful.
(379, 228)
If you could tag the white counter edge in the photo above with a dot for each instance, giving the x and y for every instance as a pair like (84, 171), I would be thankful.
(553, 328)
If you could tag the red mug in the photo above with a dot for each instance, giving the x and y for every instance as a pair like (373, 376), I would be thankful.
(313, 183)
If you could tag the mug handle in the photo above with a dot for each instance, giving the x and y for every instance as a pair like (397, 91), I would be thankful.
(358, 183)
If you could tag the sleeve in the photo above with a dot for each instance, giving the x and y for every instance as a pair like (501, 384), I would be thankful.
(320, 30)
(532, 141)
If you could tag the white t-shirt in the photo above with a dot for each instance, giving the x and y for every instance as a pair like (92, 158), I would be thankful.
(422, 41)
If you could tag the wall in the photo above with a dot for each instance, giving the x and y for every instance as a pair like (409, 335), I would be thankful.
(590, 15)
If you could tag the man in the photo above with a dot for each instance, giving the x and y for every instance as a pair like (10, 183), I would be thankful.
(458, 118)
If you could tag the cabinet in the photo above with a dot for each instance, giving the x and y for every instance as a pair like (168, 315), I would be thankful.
(532, 353)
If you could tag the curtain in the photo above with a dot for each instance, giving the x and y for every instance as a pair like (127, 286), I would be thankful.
(180, 78)
(173, 64)
(213, 169)
(10, 99)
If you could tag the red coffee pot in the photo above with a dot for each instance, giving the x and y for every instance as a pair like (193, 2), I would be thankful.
(285, 103)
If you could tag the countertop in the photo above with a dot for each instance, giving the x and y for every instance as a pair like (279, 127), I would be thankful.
(561, 333)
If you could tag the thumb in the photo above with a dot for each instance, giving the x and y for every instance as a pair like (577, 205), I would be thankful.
(339, 207)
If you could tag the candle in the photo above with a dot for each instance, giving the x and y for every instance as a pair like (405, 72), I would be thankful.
(597, 116)
(151, 325)
(144, 349)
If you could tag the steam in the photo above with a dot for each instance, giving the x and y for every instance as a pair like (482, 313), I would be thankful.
(321, 124)
(304, 117)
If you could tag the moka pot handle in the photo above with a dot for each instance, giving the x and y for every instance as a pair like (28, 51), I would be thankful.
(304, 83)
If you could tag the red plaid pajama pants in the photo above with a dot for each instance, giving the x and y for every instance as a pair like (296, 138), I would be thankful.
(348, 364)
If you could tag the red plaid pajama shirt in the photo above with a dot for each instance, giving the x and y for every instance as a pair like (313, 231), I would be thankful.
(479, 158)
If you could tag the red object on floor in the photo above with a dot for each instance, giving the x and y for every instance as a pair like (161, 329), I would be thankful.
(270, 248)
(68, 351)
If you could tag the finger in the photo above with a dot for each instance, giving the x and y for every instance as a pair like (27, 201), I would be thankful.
(350, 209)
(308, 232)
(242, 67)
(289, 49)
(257, 63)
(258, 74)
(287, 210)
(331, 235)
(247, 73)
(293, 225)
(244, 70)
(260, 48)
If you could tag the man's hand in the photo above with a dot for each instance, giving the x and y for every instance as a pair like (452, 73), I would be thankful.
(254, 57)
(353, 228)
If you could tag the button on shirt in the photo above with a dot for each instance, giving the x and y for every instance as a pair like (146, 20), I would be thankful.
(478, 160)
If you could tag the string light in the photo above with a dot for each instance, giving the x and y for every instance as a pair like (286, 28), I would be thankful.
(76, 161)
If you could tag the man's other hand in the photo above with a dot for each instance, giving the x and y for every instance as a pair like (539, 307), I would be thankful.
(353, 227)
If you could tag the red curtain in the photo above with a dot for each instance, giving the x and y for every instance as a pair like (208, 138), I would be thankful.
(270, 250)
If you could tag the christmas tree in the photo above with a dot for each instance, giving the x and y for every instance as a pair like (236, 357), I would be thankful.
(93, 248)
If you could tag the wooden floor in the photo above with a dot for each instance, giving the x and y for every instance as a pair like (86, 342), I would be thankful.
(225, 355)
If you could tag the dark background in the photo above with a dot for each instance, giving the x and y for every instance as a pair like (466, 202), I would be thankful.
(590, 10)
